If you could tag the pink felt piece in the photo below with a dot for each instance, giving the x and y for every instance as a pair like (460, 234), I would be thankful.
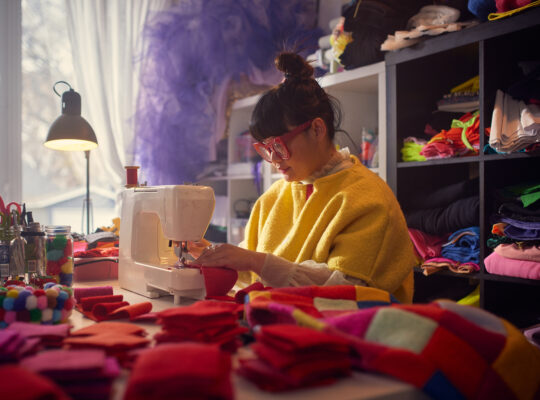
(62, 362)
(29, 329)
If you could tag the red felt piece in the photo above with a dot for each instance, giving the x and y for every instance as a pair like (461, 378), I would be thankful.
(110, 326)
(19, 383)
(103, 311)
(87, 303)
(131, 311)
(293, 337)
(191, 369)
(79, 293)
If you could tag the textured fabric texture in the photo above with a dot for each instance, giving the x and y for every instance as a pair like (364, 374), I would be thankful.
(352, 222)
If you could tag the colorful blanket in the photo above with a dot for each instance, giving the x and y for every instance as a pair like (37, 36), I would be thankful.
(447, 350)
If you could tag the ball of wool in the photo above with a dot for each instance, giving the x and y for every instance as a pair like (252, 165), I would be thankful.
(59, 242)
(55, 255)
(46, 315)
(68, 250)
(66, 279)
(23, 316)
(8, 303)
(31, 302)
(63, 295)
(35, 315)
(57, 315)
(10, 317)
(42, 302)
(67, 267)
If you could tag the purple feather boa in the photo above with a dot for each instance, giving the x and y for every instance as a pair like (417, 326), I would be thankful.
(194, 50)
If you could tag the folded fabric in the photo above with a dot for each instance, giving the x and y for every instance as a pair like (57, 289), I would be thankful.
(499, 265)
(426, 246)
(519, 252)
(240, 296)
(521, 230)
(103, 311)
(186, 370)
(79, 293)
(14, 346)
(278, 305)
(302, 356)
(463, 245)
(22, 384)
(123, 328)
(48, 335)
(436, 264)
(206, 321)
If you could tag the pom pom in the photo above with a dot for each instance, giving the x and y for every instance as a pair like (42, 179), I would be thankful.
(48, 285)
(59, 242)
(42, 302)
(51, 292)
(8, 303)
(31, 302)
(2, 314)
(10, 317)
(63, 295)
(57, 315)
(64, 315)
(39, 292)
(13, 293)
(23, 316)
(35, 315)
(3, 324)
(47, 315)
(69, 304)
(59, 303)
(20, 302)
(55, 255)
(68, 250)
(67, 267)
(51, 302)
(66, 279)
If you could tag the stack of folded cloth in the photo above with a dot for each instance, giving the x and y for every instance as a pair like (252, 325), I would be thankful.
(14, 346)
(182, 370)
(82, 374)
(291, 357)
(100, 304)
(516, 232)
(117, 339)
(206, 321)
(47, 335)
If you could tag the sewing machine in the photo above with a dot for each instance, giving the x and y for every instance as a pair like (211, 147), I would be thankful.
(152, 218)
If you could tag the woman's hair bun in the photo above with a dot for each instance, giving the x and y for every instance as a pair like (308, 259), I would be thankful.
(293, 66)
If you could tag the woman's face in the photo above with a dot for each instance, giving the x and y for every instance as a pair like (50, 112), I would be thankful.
(308, 153)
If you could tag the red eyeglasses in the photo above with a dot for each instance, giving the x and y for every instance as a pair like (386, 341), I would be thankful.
(277, 144)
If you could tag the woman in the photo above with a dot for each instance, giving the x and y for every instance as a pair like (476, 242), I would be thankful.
(330, 220)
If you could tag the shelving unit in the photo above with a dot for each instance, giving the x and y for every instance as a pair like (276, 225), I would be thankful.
(416, 78)
(361, 93)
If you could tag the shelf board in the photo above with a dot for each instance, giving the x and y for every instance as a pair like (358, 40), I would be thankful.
(509, 156)
(451, 40)
(441, 161)
(448, 273)
(362, 79)
(510, 279)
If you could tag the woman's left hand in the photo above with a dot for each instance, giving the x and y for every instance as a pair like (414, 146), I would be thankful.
(230, 256)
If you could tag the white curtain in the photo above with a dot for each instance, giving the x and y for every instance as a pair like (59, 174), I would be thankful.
(107, 42)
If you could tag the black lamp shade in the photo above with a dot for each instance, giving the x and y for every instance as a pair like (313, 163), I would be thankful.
(70, 131)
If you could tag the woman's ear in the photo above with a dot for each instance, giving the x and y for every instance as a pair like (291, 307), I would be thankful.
(319, 127)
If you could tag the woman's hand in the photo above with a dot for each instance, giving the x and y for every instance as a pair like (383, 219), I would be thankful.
(233, 257)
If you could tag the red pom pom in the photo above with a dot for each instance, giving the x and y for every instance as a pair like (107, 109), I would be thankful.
(68, 305)
(39, 292)
(68, 250)
(54, 267)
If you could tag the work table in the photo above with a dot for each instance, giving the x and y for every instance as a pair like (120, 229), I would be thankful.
(358, 386)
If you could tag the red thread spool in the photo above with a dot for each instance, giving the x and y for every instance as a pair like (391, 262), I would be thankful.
(131, 176)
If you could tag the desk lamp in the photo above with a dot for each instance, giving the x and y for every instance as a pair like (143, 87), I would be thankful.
(71, 132)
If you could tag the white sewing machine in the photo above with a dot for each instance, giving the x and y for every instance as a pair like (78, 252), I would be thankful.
(151, 218)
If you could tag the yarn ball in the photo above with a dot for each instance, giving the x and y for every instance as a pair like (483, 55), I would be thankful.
(67, 267)
(59, 242)
(55, 255)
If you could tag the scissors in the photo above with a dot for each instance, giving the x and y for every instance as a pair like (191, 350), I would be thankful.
(5, 212)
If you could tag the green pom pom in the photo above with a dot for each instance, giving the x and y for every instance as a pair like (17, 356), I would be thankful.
(59, 242)
(35, 315)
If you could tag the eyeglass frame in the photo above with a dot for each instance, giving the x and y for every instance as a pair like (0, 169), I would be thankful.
(268, 148)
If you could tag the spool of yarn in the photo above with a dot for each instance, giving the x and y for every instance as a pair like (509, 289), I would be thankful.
(131, 176)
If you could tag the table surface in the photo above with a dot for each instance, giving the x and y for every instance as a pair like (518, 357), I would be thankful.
(358, 386)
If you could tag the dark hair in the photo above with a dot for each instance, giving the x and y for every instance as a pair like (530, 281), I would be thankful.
(296, 100)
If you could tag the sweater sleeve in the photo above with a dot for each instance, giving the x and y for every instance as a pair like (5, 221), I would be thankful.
(279, 272)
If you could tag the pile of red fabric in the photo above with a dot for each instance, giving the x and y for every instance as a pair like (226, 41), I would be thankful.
(291, 356)
(206, 321)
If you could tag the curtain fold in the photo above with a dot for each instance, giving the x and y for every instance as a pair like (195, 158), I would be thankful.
(107, 43)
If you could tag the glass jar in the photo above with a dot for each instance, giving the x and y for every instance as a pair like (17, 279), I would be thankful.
(5, 240)
(34, 251)
(59, 248)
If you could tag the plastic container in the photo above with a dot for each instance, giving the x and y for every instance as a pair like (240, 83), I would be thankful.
(59, 247)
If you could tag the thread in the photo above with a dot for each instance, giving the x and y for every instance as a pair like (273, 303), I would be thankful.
(131, 176)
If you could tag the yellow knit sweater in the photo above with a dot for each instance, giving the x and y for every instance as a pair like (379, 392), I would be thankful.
(352, 222)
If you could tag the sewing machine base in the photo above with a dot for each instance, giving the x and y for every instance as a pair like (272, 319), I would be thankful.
(152, 282)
